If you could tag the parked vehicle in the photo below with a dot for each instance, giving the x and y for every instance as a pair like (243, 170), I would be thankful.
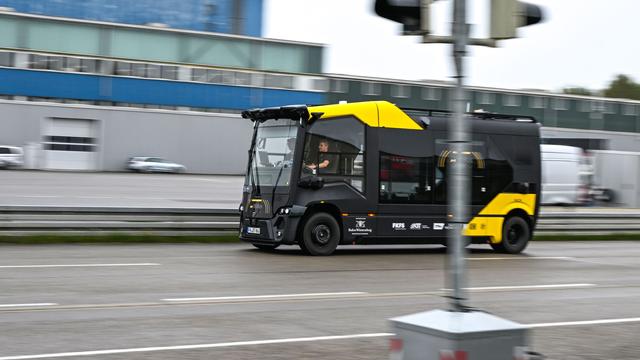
(154, 164)
(11, 156)
(566, 175)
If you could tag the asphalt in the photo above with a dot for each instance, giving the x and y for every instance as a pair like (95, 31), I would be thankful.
(116, 297)
(47, 188)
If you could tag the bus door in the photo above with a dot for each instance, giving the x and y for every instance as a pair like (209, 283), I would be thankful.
(407, 185)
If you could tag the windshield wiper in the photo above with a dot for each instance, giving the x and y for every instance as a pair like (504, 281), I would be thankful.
(256, 183)
(251, 168)
(275, 185)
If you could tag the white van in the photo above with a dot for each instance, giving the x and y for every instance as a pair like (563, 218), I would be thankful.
(565, 175)
(11, 156)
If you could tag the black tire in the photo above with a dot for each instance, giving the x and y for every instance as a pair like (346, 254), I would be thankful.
(264, 247)
(320, 235)
(516, 234)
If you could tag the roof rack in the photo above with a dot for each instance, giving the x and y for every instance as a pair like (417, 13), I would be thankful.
(479, 114)
(293, 112)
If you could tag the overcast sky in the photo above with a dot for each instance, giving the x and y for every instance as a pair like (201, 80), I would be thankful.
(581, 43)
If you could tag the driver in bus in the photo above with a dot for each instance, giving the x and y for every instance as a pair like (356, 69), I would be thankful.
(324, 159)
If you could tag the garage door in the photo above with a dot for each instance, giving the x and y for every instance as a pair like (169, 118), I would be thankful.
(70, 144)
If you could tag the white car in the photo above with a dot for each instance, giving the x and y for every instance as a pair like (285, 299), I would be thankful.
(154, 164)
(11, 156)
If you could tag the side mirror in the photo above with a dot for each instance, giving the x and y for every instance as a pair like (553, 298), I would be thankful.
(311, 182)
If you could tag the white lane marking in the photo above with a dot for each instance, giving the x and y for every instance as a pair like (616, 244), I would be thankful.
(527, 287)
(27, 305)
(196, 346)
(281, 341)
(37, 196)
(263, 297)
(522, 258)
(586, 322)
(73, 265)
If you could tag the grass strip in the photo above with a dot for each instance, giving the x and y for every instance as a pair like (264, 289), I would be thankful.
(115, 239)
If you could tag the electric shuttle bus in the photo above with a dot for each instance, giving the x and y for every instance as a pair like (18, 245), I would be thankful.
(372, 173)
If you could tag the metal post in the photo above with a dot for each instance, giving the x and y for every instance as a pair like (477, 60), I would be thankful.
(457, 167)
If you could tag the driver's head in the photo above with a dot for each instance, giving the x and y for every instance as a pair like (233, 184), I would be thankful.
(323, 145)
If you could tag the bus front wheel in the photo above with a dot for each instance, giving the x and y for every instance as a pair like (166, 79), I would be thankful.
(515, 236)
(320, 235)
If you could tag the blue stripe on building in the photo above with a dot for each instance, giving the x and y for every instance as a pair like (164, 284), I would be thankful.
(35, 83)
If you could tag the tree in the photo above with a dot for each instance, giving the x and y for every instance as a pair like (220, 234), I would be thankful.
(623, 87)
(578, 91)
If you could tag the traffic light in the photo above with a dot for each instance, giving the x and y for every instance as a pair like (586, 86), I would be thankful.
(508, 15)
(412, 14)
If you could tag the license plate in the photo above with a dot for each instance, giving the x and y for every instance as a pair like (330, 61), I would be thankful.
(253, 230)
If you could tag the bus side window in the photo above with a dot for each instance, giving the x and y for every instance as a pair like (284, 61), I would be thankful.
(343, 156)
(405, 179)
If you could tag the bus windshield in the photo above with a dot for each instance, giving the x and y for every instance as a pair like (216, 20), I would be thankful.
(271, 157)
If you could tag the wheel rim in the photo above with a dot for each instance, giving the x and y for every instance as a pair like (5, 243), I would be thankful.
(321, 234)
(514, 234)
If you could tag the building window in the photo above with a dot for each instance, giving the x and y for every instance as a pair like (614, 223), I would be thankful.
(630, 109)
(169, 72)
(153, 71)
(214, 76)
(370, 88)
(321, 84)
(257, 80)
(37, 61)
(511, 100)
(584, 106)
(278, 81)
(6, 58)
(560, 104)
(429, 93)
(610, 108)
(243, 78)
(339, 86)
(536, 102)
(55, 63)
(138, 69)
(228, 77)
(199, 74)
(122, 68)
(486, 98)
(401, 91)
(89, 65)
(71, 64)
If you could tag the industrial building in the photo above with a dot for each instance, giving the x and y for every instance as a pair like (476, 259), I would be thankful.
(87, 93)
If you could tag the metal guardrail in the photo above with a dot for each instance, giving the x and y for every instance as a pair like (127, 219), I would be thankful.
(28, 220)
(23, 220)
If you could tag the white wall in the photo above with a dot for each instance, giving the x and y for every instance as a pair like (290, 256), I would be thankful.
(204, 143)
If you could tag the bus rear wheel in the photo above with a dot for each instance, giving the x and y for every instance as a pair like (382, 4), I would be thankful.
(320, 235)
(515, 236)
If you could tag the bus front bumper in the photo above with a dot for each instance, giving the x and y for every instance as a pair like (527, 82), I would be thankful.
(280, 229)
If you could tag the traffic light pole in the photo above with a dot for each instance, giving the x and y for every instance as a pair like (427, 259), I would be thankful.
(460, 332)
(458, 171)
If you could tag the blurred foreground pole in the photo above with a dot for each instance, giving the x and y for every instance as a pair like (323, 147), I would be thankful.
(460, 333)
(458, 167)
